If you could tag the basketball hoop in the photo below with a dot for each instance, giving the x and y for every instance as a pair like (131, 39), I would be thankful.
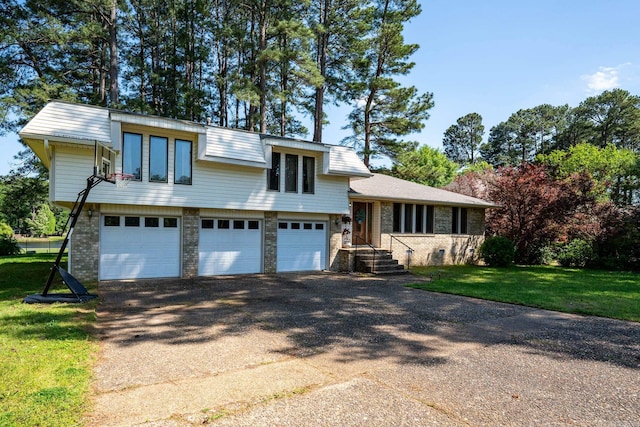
(121, 179)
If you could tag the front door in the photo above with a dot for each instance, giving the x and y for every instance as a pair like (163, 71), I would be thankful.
(362, 223)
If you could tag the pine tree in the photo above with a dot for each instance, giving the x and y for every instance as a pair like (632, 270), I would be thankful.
(462, 140)
(384, 109)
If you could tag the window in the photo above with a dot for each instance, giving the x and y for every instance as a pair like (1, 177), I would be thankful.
(223, 224)
(463, 220)
(152, 222)
(182, 168)
(308, 226)
(295, 226)
(320, 226)
(132, 221)
(430, 216)
(111, 221)
(207, 223)
(283, 225)
(397, 217)
(291, 173)
(308, 174)
(459, 220)
(238, 225)
(170, 222)
(158, 159)
(254, 225)
(410, 218)
(273, 174)
(419, 220)
(132, 155)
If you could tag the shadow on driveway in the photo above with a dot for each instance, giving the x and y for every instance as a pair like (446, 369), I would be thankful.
(337, 328)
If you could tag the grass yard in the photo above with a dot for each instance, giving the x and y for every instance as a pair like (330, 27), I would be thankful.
(46, 351)
(593, 292)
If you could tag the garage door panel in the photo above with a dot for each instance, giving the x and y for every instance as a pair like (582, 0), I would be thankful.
(230, 250)
(302, 246)
(137, 252)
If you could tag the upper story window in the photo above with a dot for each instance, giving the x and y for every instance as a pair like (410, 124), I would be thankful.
(273, 174)
(410, 218)
(299, 173)
(182, 169)
(458, 220)
(291, 173)
(308, 174)
(158, 159)
(132, 155)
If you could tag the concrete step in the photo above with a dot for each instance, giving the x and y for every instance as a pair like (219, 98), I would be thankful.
(379, 262)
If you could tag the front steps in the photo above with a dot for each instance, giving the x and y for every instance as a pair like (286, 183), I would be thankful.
(379, 262)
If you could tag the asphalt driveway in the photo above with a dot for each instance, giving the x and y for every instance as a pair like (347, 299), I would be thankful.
(344, 350)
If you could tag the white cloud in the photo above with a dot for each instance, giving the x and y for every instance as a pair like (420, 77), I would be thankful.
(604, 79)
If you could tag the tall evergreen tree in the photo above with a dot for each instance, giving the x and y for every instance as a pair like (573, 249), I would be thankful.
(385, 110)
(462, 140)
(337, 25)
(613, 117)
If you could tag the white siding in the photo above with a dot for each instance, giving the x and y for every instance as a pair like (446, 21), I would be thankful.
(215, 186)
(296, 144)
(71, 121)
(233, 145)
(344, 161)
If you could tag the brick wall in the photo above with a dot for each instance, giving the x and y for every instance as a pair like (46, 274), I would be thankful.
(270, 242)
(84, 253)
(440, 248)
(443, 218)
(190, 239)
(475, 221)
(335, 243)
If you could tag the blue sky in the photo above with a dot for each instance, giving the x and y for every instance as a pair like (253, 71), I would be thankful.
(495, 57)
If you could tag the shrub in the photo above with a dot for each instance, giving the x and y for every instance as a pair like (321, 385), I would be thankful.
(497, 251)
(8, 245)
(577, 253)
(5, 230)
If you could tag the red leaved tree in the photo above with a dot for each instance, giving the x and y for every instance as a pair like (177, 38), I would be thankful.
(535, 208)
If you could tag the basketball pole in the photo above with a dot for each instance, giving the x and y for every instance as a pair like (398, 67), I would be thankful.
(92, 181)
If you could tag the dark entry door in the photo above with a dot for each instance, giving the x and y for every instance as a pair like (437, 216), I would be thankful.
(362, 223)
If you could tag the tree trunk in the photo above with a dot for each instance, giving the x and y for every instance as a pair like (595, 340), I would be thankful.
(323, 40)
(114, 95)
(262, 66)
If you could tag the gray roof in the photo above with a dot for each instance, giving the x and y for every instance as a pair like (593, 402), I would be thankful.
(384, 187)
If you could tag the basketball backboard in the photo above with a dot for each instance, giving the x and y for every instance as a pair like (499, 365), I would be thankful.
(104, 162)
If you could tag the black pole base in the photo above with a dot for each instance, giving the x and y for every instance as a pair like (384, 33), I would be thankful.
(51, 298)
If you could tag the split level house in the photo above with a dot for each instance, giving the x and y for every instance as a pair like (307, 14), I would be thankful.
(205, 201)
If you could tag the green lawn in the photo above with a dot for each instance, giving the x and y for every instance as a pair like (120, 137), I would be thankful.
(46, 351)
(593, 292)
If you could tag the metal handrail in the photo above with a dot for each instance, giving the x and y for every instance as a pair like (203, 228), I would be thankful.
(355, 259)
(410, 250)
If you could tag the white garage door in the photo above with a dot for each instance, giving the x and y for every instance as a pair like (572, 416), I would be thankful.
(302, 245)
(230, 246)
(137, 247)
